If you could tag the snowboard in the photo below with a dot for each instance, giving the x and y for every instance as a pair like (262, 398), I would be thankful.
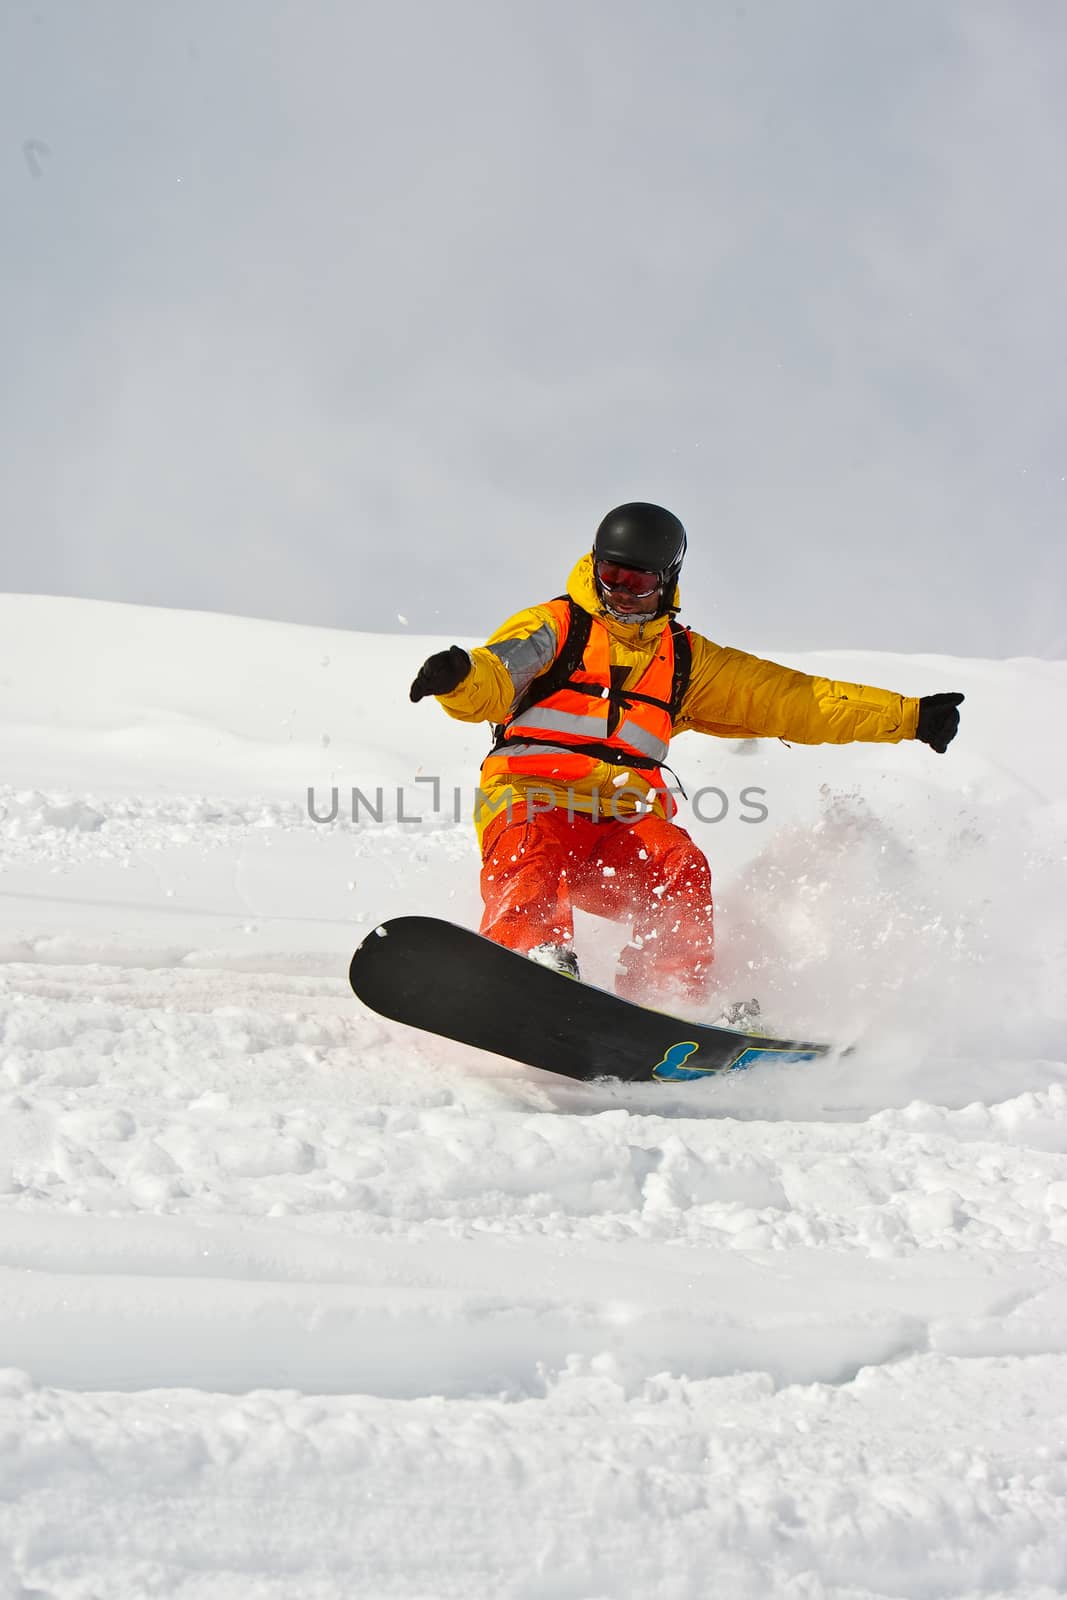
(447, 980)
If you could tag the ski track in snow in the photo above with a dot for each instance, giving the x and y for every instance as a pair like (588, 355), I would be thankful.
(294, 1302)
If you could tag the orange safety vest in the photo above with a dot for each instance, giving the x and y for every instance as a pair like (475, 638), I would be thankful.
(577, 713)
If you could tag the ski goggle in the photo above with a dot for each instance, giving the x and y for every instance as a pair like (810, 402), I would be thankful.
(627, 580)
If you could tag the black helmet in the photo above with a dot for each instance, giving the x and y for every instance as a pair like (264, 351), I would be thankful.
(644, 536)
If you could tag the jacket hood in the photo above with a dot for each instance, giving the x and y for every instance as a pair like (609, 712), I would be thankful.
(581, 586)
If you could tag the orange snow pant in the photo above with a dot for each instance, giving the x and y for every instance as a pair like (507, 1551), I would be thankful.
(537, 868)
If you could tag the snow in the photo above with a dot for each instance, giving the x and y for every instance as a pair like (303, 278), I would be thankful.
(295, 1302)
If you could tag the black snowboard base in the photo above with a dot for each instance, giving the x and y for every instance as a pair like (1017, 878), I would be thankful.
(442, 978)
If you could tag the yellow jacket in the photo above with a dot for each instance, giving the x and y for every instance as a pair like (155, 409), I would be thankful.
(731, 694)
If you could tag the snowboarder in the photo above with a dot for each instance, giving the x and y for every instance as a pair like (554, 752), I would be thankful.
(585, 692)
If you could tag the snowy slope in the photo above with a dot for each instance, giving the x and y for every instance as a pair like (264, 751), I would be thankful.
(297, 1303)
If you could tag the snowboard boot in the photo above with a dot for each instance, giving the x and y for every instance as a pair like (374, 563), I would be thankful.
(560, 957)
(743, 1015)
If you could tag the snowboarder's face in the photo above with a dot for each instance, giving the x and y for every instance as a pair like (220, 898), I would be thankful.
(629, 591)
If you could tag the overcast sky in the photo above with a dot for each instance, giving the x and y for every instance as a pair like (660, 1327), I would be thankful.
(333, 311)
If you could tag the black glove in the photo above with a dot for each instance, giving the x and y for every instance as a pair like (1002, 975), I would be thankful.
(441, 673)
(938, 720)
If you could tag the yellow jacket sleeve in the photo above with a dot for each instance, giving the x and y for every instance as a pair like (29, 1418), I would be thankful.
(503, 668)
(741, 696)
